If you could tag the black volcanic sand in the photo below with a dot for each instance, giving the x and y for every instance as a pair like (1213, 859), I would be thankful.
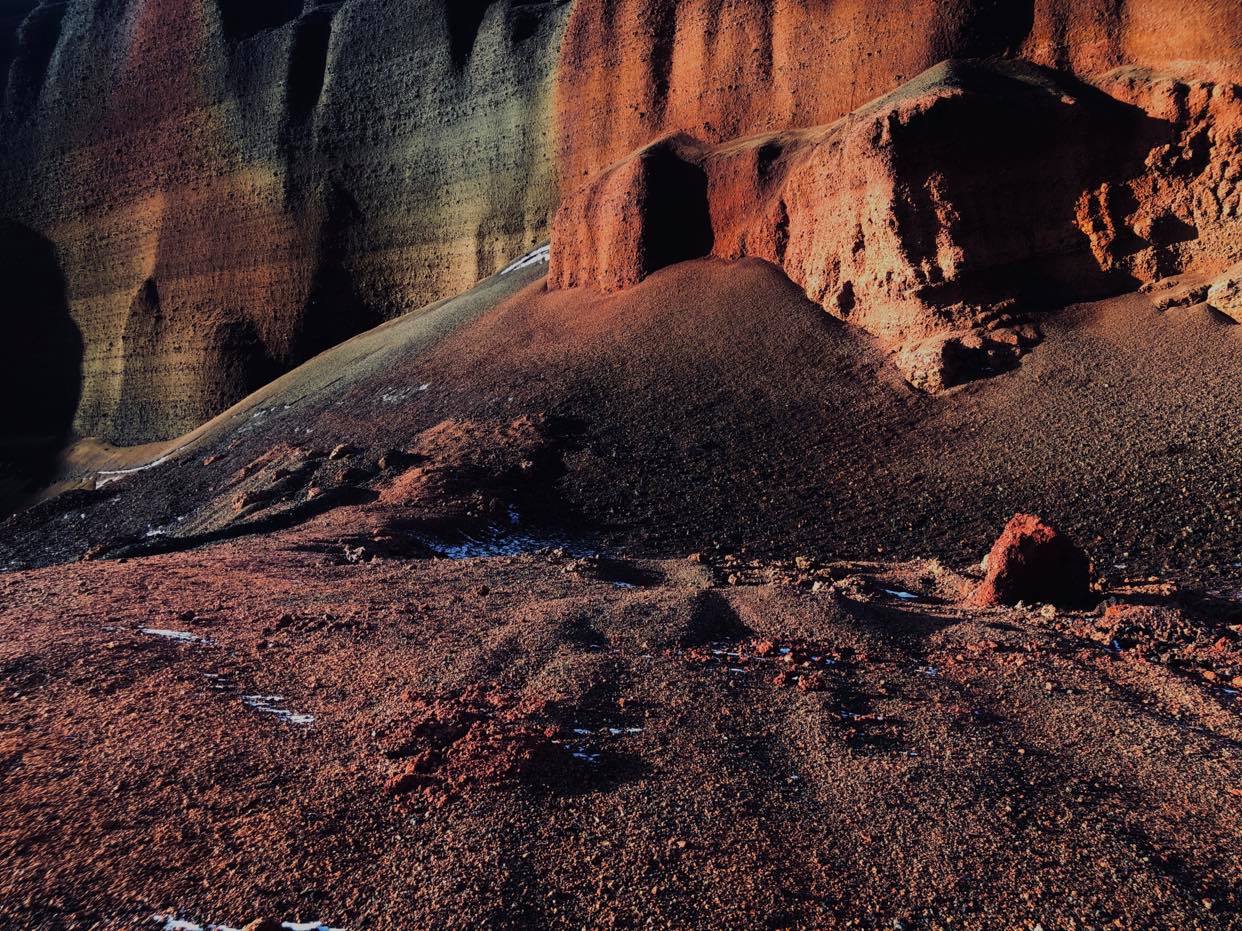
(713, 405)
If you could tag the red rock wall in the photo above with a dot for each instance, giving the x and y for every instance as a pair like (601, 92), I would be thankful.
(634, 70)
(229, 186)
(944, 216)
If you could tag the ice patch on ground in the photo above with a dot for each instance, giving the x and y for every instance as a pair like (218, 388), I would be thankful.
(170, 923)
(399, 395)
(181, 635)
(500, 541)
(111, 475)
(904, 596)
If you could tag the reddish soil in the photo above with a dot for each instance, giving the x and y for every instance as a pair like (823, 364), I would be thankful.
(359, 733)
(569, 742)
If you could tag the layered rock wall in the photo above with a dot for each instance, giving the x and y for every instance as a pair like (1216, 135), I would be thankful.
(229, 186)
(232, 186)
(944, 216)
(634, 70)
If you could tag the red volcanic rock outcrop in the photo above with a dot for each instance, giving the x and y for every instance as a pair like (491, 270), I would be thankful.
(644, 213)
(1033, 562)
(939, 217)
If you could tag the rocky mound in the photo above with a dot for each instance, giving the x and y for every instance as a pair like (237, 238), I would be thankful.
(708, 406)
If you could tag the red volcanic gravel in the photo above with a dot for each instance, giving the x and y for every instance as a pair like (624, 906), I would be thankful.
(253, 730)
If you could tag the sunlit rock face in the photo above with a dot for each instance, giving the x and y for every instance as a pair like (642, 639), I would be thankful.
(633, 70)
(233, 186)
(945, 216)
(229, 187)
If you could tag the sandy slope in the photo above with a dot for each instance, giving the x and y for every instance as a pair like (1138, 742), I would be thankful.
(546, 740)
(714, 404)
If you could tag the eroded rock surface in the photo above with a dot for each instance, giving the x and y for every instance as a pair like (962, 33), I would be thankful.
(943, 217)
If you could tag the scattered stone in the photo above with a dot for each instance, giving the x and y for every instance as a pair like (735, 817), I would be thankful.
(1034, 562)
(342, 451)
(949, 359)
(264, 924)
(1225, 294)
(812, 682)
(1182, 297)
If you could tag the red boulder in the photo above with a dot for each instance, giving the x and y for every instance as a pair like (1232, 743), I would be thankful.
(1036, 563)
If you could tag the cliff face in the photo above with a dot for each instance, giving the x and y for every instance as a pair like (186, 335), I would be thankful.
(632, 70)
(946, 216)
(233, 186)
(228, 187)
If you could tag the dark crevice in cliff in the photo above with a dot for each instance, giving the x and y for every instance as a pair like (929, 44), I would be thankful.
(242, 19)
(996, 27)
(334, 309)
(464, 18)
(679, 225)
(308, 64)
(660, 65)
(526, 16)
(40, 361)
(36, 42)
(227, 356)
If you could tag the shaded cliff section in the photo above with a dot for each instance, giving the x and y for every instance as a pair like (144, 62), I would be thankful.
(40, 362)
(233, 187)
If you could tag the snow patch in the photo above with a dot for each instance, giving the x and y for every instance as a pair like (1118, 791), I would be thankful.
(170, 923)
(271, 704)
(181, 635)
(111, 475)
(542, 254)
(904, 596)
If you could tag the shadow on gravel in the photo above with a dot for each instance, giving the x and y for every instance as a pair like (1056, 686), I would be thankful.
(270, 523)
(713, 620)
(882, 620)
(603, 771)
